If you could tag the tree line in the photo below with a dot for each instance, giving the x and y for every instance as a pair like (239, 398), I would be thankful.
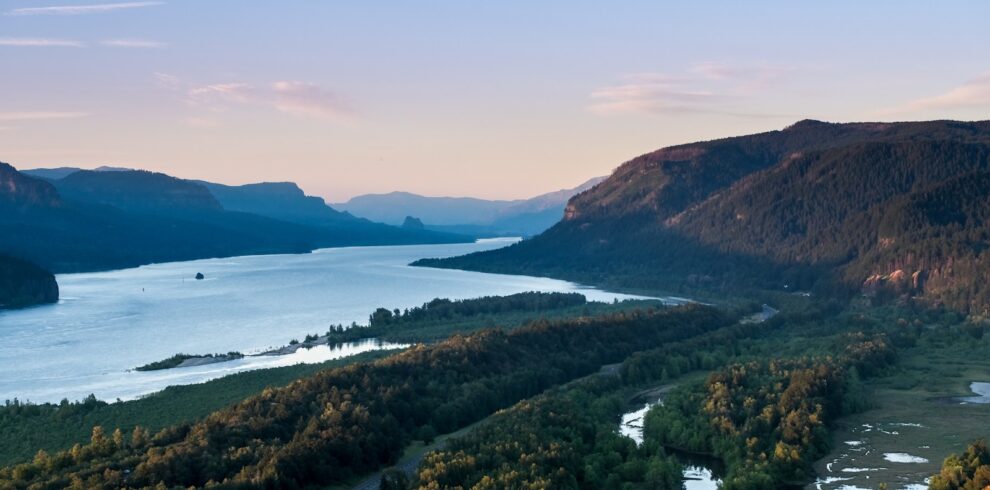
(347, 421)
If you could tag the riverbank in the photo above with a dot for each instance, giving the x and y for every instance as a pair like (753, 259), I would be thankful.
(247, 304)
(24, 429)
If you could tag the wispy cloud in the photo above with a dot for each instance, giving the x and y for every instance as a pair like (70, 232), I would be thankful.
(709, 88)
(286, 96)
(40, 115)
(307, 99)
(40, 42)
(132, 43)
(81, 9)
(974, 93)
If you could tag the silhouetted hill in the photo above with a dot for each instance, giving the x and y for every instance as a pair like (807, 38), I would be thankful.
(19, 191)
(91, 220)
(393, 207)
(50, 173)
(137, 191)
(285, 201)
(468, 215)
(25, 284)
(279, 200)
(878, 207)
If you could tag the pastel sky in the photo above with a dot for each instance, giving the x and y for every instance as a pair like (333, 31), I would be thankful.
(503, 99)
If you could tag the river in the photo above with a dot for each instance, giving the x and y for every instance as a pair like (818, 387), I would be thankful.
(110, 322)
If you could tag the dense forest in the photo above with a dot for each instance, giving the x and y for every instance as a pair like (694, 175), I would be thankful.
(441, 317)
(342, 422)
(565, 438)
(767, 420)
(897, 209)
(967, 471)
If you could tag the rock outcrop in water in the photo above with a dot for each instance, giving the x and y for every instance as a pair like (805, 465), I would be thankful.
(25, 284)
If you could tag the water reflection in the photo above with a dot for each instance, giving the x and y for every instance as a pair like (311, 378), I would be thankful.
(698, 473)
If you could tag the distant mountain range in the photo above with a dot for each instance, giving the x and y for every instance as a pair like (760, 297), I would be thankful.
(468, 215)
(71, 220)
(895, 209)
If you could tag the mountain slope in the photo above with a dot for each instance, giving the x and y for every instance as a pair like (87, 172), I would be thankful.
(285, 201)
(93, 220)
(279, 200)
(814, 205)
(137, 191)
(25, 284)
(19, 191)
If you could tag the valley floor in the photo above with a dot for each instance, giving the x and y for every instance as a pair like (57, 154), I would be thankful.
(917, 421)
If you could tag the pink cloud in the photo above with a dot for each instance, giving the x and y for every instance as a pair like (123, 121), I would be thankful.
(973, 93)
(289, 97)
(704, 88)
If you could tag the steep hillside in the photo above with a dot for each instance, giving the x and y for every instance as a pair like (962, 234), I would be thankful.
(19, 191)
(25, 284)
(814, 205)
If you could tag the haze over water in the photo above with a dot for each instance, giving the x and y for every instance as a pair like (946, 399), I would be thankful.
(107, 323)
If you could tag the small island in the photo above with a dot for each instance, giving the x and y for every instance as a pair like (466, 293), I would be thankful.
(200, 276)
(187, 360)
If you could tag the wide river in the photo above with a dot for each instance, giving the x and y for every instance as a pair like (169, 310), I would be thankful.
(107, 323)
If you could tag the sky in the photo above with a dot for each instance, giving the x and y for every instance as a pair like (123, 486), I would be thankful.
(504, 99)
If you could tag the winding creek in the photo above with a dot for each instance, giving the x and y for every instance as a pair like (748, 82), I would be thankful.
(107, 323)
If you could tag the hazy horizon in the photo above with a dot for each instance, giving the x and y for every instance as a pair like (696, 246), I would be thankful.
(457, 100)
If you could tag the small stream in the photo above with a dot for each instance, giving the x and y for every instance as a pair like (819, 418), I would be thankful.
(697, 474)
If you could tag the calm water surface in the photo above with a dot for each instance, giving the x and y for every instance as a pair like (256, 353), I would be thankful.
(110, 322)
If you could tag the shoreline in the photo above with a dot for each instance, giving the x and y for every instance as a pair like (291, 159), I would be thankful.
(205, 360)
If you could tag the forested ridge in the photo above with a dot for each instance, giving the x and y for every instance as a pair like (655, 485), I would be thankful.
(342, 422)
(440, 317)
(838, 208)
(98, 220)
(768, 420)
